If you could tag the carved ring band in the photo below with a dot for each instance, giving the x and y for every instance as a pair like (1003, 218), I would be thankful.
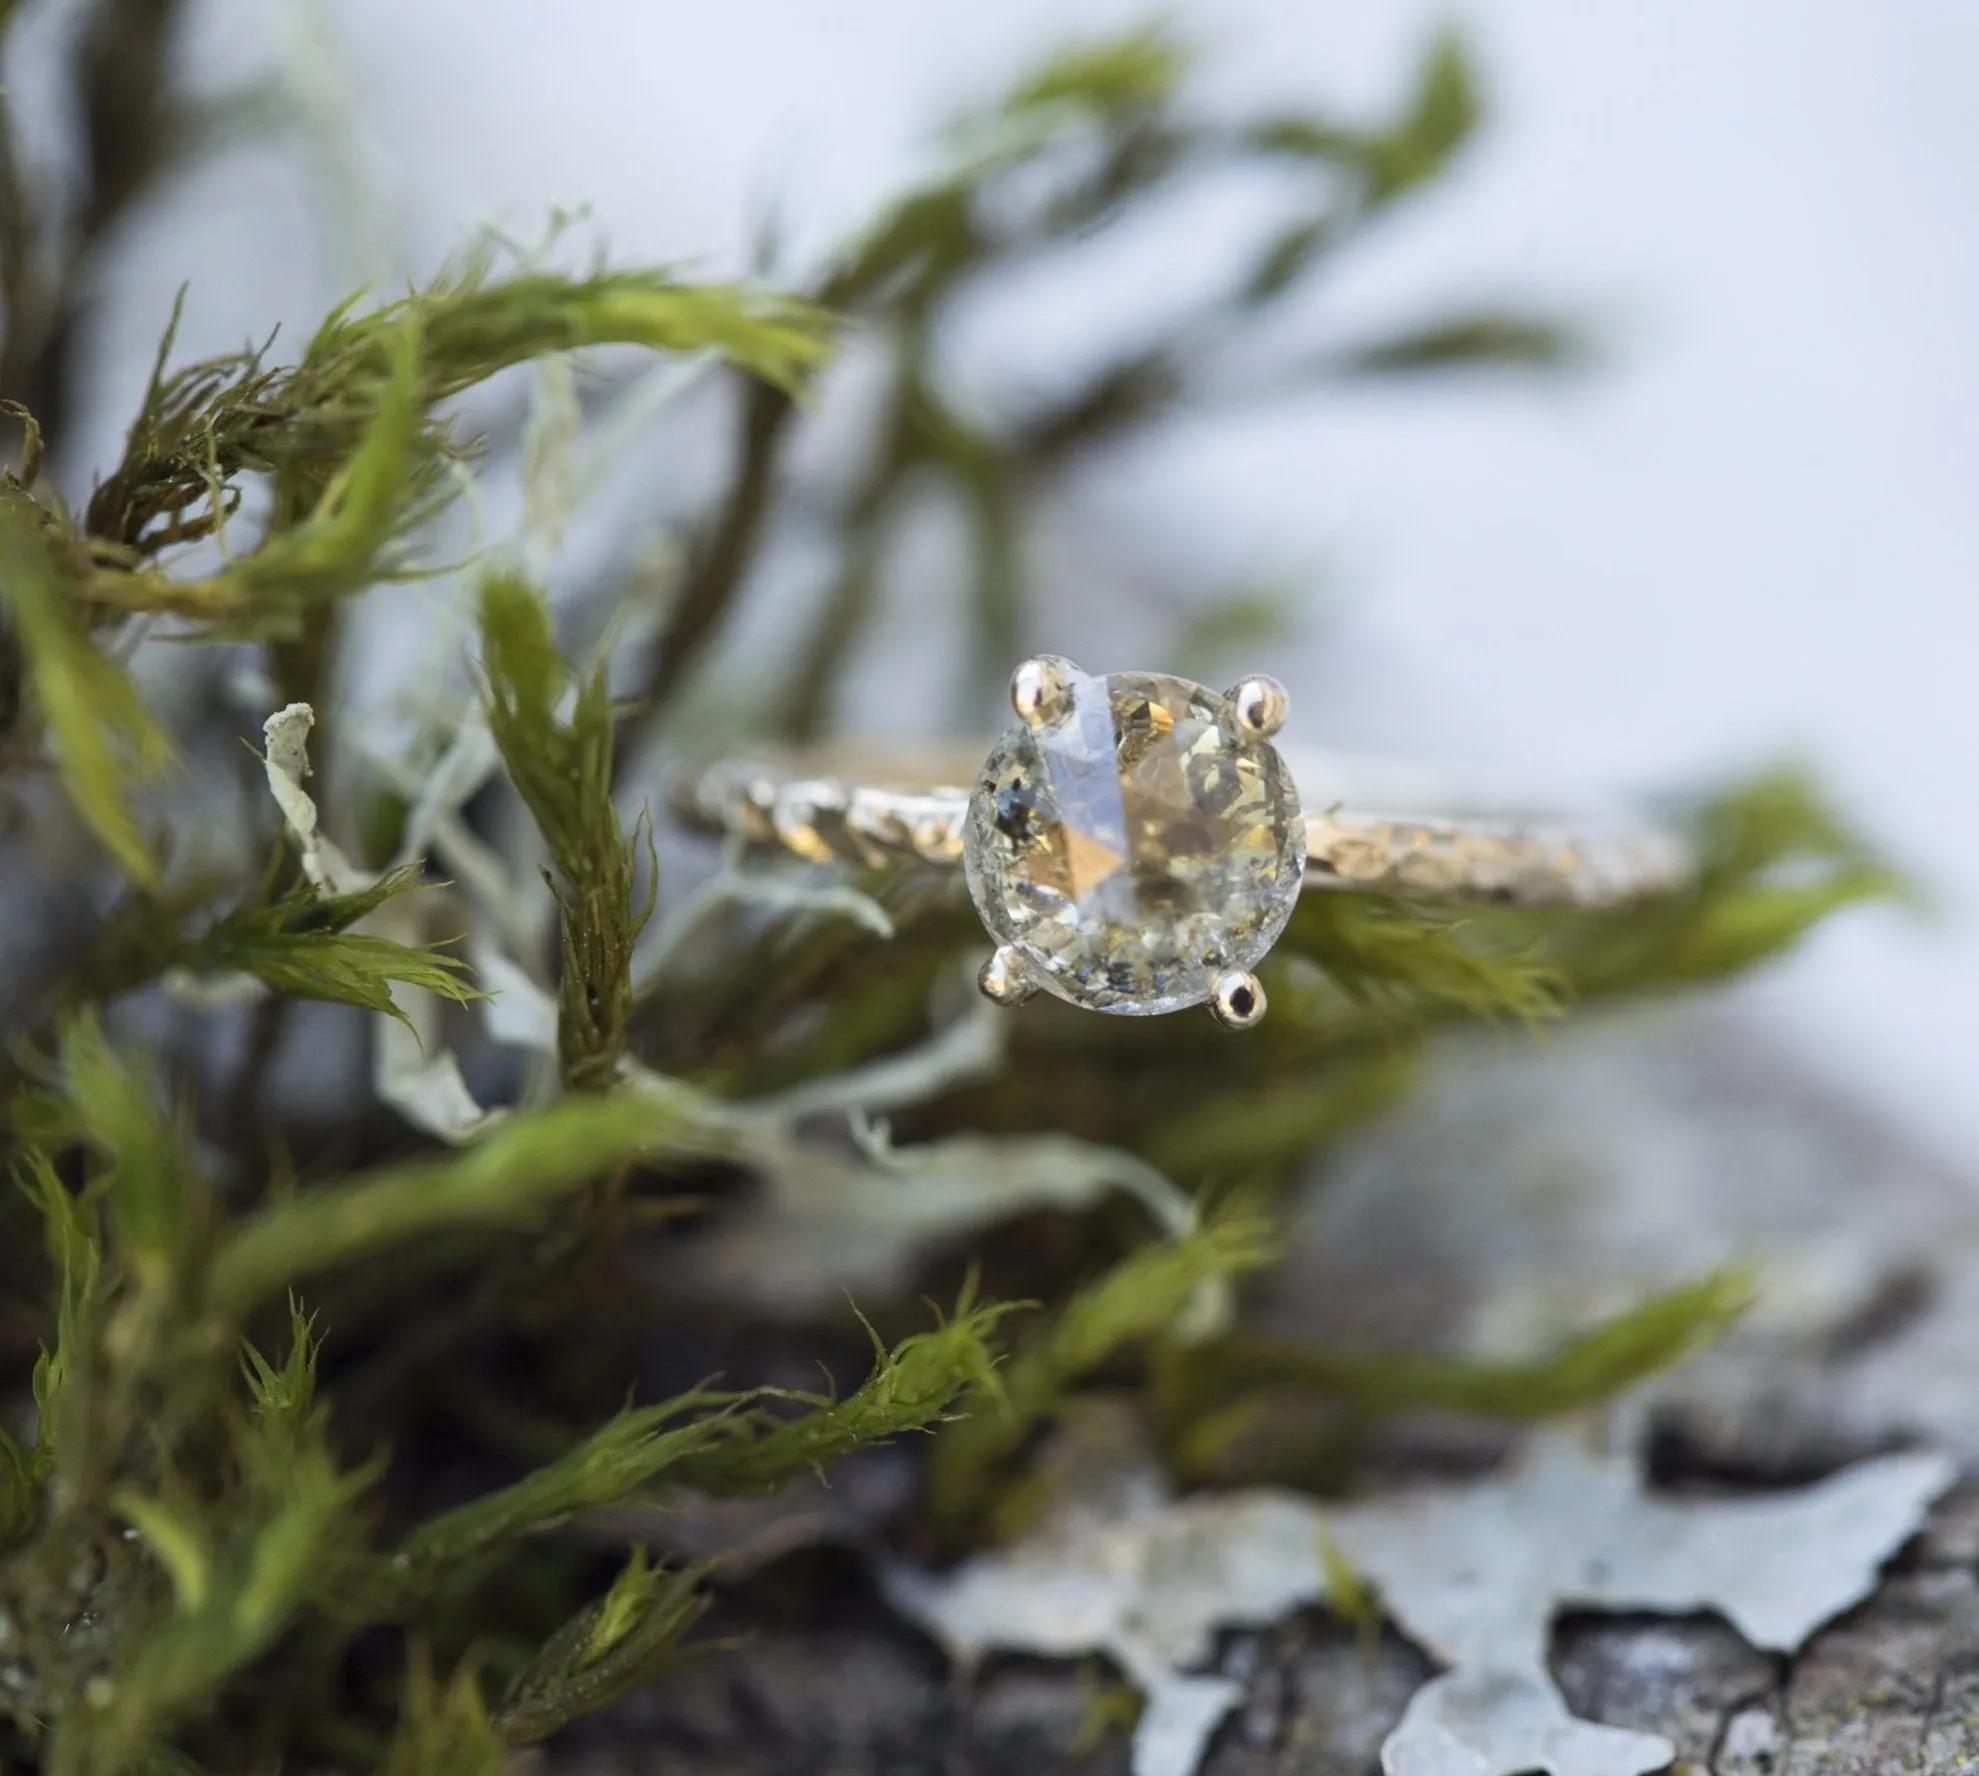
(1135, 842)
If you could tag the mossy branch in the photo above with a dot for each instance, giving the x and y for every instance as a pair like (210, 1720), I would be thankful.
(299, 943)
(1399, 960)
(1775, 860)
(352, 438)
(237, 1566)
(444, 1727)
(296, 941)
(1143, 1298)
(912, 1387)
(626, 1638)
(638, 1448)
(155, 1201)
(1229, 1393)
(561, 766)
(236, 1588)
(105, 738)
(506, 1180)
(718, 1442)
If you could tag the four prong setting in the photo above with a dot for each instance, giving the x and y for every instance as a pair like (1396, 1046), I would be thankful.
(1041, 690)
(1134, 842)
(1257, 706)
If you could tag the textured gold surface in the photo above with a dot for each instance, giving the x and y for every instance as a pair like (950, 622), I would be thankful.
(814, 807)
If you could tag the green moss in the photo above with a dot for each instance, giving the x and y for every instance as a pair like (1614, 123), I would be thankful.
(305, 1384)
(351, 437)
(508, 1179)
(633, 1632)
(1219, 1394)
(105, 738)
(1142, 1299)
(562, 768)
(445, 1728)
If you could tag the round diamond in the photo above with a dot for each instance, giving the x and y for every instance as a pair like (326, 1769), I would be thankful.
(1136, 846)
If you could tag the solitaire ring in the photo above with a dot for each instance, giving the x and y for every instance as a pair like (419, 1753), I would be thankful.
(1135, 843)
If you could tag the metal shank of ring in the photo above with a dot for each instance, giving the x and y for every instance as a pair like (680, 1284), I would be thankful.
(1590, 862)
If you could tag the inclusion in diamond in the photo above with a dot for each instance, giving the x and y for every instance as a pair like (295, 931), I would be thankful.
(1133, 838)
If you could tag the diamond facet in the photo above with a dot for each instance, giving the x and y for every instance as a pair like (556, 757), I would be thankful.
(1137, 847)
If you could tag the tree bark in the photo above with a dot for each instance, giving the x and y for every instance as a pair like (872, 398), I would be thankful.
(1518, 1174)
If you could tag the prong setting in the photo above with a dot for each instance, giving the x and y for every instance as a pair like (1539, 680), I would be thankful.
(1136, 850)
(1041, 690)
(1257, 707)
(1004, 980)
(1236, 1001)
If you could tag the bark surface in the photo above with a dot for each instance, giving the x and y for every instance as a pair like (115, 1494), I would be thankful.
(1521, 1190)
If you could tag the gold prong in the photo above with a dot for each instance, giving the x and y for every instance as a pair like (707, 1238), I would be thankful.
(1004, 979)
(1257, 706)
(1236, 1001)
(1041, 689)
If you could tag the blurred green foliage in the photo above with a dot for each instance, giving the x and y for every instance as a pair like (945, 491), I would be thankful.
(230, 1537)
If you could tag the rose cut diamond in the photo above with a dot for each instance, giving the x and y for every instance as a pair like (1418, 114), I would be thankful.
(1132, 840)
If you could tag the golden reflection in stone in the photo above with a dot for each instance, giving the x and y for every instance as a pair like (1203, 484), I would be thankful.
(1137, 847)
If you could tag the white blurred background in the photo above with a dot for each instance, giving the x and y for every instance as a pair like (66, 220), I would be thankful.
(1751, 533)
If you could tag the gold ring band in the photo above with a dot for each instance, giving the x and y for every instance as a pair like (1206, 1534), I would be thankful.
(829, 806)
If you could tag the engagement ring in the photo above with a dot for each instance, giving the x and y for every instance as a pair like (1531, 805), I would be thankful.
(1135, 843)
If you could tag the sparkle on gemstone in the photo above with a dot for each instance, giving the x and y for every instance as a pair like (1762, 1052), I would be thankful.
(1137, 847)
